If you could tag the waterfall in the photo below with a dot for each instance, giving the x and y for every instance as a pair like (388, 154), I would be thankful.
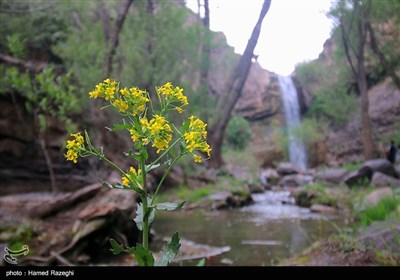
(297, 151)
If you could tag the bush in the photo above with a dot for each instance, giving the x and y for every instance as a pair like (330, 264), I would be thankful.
(238, 133)
(334, 103)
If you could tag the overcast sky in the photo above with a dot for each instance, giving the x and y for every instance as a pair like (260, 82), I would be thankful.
(293, 31)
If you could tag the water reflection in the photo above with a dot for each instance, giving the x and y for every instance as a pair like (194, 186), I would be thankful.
(258, 235)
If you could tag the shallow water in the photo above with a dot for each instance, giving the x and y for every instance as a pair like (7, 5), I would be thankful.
(258, 235)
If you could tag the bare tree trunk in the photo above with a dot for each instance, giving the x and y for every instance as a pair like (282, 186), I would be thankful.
(375, 48)
(234, 89)
(357, 64)
(205, 63)
(366, 128)
(112, 36)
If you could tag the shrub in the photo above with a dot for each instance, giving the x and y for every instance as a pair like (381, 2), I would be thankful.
(238, 133)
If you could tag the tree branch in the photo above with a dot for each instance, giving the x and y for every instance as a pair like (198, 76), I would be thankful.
(375, 48)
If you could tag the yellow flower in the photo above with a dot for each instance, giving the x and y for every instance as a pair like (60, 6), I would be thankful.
(105, 89)
(134, 135)
(109, 93)
(179, 109)
(195, 137)
(124, 92)
(133, 171)
(197, 158)
(166, 89)
(74, 147)
(145, 141)
(120, 105)
(72, 144)
(95, 94)
(78, 138)
(72, 156)
(125, 181)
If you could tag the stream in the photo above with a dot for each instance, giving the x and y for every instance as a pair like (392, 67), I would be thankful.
(257, 235)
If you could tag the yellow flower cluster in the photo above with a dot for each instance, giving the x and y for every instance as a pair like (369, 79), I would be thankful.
(133, 100)
(174, 96)
(134, 176)
(74, 146)
(161, 132)
(157, 130)
(195, 138)
(104, 90)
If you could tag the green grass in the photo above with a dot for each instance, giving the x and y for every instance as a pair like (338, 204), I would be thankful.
(379, 212)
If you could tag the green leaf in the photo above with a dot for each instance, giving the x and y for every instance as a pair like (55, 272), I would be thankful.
(118, 127)
(185, 125)
(169, 252)
(201, 262)
(145, 154)
(169, 206)
(116, 247)
(182, 148)
(130, 250)
(143, 256)
(139, 216)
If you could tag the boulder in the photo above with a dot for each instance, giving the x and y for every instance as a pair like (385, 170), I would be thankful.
(288, 168)
(382, 236)
(319, 208)
(332, 175)
(296, 180)
(381, 165)
(359, 177)
(382, 180)
(269, 176)
(227, 199)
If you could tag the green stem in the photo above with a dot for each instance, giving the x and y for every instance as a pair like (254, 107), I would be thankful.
(113, 165)
(146, 226)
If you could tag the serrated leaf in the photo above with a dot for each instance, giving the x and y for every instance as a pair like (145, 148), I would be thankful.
(143, 256)
(169, 252)
(169, 206)
(116, 247)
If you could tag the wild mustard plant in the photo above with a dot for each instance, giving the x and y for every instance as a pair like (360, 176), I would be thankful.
(148, 128)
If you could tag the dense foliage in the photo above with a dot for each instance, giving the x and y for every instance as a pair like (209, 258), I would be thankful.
(238, 133)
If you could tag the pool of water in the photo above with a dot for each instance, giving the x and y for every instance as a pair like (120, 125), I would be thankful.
(257, 235)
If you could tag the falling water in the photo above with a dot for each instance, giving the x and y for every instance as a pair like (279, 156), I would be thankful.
(297, 152)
